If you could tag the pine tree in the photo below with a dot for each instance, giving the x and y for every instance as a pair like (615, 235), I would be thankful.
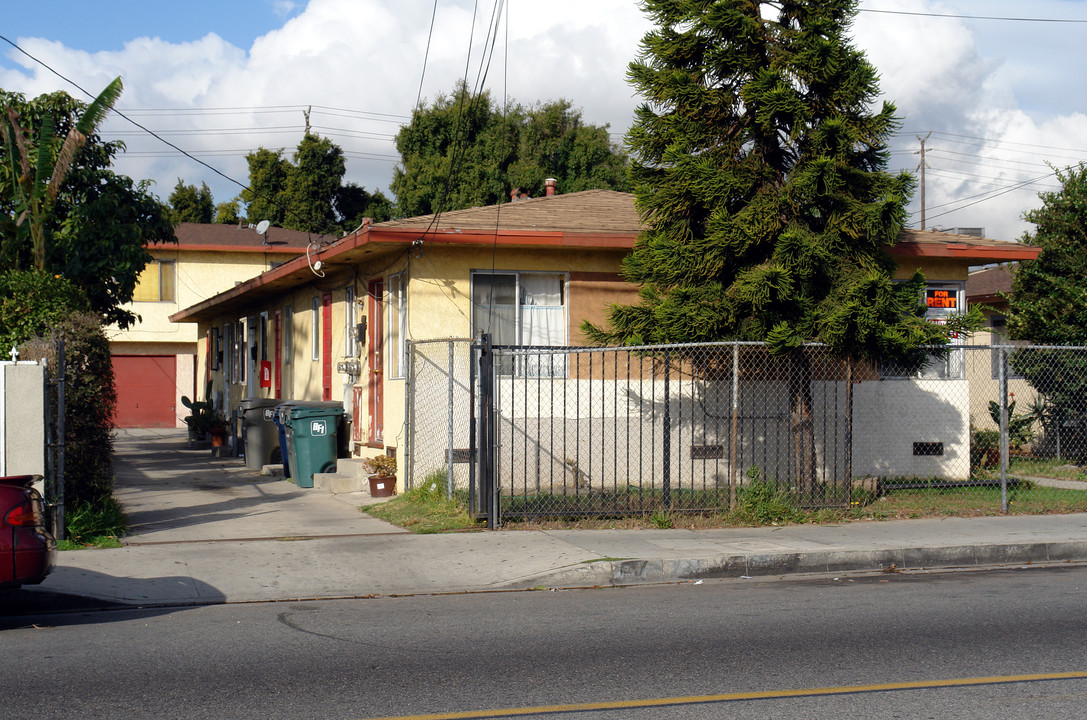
(759, 169)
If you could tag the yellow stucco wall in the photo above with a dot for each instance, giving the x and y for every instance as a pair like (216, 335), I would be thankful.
(200, 274)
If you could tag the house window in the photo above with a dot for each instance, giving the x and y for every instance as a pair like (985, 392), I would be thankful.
(228, 362)
(156, 283)
(315, 328)
(238, 354)
(288, 335)
(523, 308)
(215, 348)
(398, 325)
(998, 327)
(350, 345)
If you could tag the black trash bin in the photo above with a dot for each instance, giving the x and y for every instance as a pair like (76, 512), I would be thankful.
(259, 431)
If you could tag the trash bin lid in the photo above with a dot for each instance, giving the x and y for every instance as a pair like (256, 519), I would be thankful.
(330, 410)
(284, 409)
(250, 403)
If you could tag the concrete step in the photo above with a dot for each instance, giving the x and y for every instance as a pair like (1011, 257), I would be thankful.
(338, 483)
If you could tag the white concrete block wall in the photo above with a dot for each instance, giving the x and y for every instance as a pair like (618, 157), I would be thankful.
(22, 415)
(889, 416)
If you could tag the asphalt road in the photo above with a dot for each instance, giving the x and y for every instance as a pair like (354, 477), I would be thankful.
(880, 646)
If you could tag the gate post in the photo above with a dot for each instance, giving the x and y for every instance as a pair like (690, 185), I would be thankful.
(666, 474)
(488, 499)
(1003, 392)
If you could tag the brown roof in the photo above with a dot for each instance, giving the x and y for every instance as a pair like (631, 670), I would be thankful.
(596, 219)
(983, 285)
(592, 211)
(235, 238)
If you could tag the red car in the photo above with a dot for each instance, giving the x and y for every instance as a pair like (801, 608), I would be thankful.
(28, 551)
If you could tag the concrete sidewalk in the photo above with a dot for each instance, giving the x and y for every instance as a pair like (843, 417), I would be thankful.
(209, 531)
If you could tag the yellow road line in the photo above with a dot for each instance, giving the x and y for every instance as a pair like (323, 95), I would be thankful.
(732, 697)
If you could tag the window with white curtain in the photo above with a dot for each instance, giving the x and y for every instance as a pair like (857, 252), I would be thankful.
(523, 308)
(398, 325)
(350, 346)
(315, 328)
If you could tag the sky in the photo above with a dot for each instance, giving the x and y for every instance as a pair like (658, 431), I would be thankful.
(1000, 103)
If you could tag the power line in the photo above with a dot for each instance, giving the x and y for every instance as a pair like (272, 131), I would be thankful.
(973, 17)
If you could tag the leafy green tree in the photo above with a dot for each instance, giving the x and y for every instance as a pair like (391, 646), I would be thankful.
(227, 213)
(33, 301)
(190, 204)
(265, 198)
(463, 151)
(759, 168)
(353, 204)
(307, 192)
(95, 229)
(38, 163)
(1048, 305)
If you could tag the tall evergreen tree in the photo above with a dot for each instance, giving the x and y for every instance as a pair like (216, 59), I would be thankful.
(307, 192)
(190, 204)
(759, 169)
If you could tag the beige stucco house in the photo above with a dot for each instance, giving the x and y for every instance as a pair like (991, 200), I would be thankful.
(155, 360)
(333, 323)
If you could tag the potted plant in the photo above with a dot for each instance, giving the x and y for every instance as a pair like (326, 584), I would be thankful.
(382, 469)
(204, 420)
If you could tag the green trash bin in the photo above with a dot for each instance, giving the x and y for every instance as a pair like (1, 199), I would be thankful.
(312, 432)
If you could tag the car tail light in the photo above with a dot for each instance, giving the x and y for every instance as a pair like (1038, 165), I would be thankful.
(24, 515)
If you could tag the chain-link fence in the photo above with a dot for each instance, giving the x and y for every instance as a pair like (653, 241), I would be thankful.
(693, 428)
(439, 415)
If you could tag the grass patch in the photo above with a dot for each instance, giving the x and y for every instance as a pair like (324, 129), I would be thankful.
(1024, 499)
(1046, 468)
(426, 509)
(758, 502)
(100, 524)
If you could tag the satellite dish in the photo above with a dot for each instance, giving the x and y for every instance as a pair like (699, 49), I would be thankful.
(262, 226)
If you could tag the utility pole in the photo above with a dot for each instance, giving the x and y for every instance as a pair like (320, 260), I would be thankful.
(922, 168)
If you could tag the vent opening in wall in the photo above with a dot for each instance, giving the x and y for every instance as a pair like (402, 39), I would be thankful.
(928, 448)
(707, 452)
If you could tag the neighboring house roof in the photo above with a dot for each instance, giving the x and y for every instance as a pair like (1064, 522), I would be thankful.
(926, 243)
(598, 219)
(983, 286)
(238, 238)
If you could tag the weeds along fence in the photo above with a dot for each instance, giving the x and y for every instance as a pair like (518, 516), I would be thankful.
(692, 428)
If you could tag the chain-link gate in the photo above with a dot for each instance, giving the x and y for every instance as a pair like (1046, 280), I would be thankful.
(439, 415)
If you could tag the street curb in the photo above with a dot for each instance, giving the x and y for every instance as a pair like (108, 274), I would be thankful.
(614, 573)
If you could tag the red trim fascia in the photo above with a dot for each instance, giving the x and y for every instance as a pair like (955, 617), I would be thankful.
(964, 251)
(267, 249)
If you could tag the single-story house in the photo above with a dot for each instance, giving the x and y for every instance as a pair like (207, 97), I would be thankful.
(334, 323)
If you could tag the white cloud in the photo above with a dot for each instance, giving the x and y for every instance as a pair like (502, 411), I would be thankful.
(991, 92)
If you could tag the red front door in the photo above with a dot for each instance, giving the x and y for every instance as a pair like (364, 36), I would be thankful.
(374, 355)
(279, 353)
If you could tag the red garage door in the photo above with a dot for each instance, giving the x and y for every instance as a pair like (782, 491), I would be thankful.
(146, 388)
